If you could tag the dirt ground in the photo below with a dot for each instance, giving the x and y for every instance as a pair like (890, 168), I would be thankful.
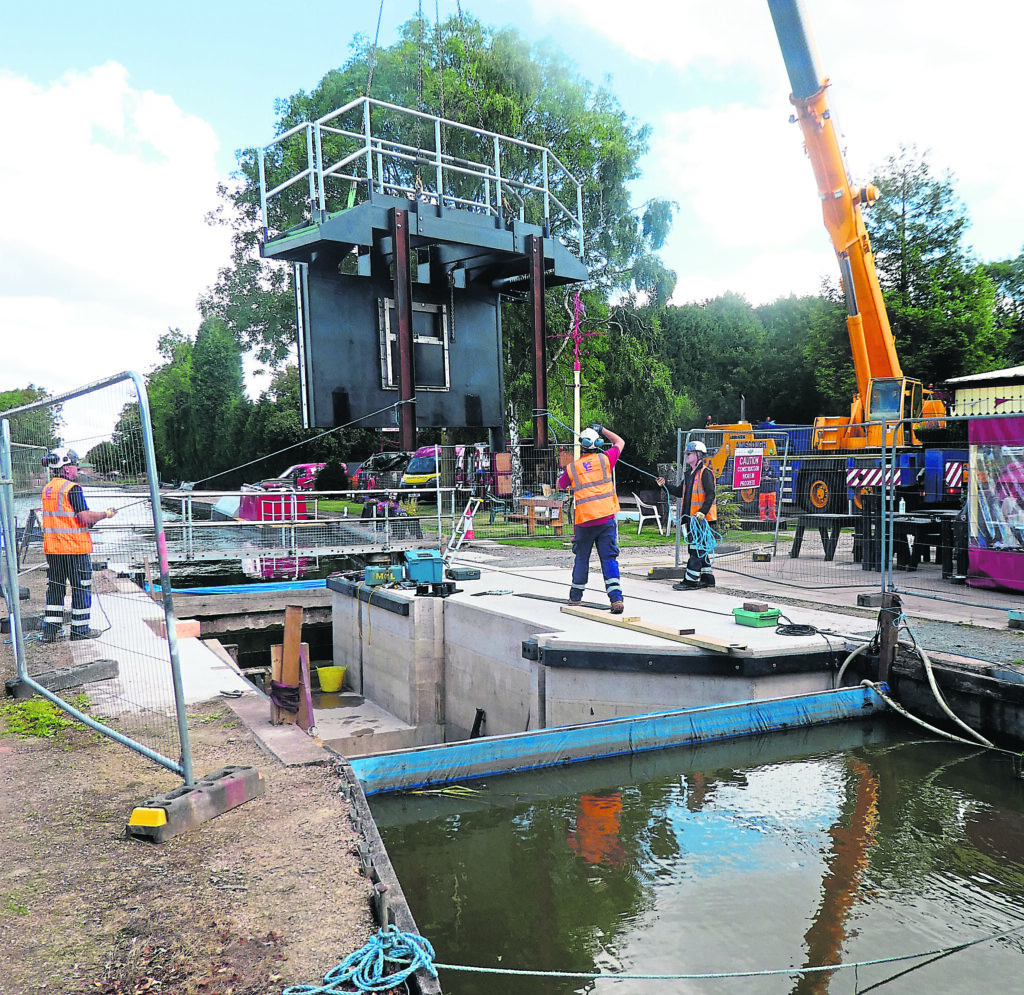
(264, 896)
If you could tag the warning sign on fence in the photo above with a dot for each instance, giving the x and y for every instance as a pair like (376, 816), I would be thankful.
(746, 469)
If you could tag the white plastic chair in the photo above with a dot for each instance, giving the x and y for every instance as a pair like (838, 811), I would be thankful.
(647, 513)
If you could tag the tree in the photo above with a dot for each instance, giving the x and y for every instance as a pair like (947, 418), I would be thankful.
(939, 302)
(1007, 278)
(40, 428)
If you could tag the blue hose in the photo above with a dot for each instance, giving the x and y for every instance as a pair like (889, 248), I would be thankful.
(391, 950)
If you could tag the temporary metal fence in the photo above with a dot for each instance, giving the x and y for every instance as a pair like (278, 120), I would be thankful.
(971, 553)
(131, 641)
(859, 531)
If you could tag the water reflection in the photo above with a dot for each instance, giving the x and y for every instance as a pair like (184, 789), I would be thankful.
(803, 849)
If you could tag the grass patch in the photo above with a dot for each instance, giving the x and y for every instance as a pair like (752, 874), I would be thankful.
(34, 717)
(15, 907)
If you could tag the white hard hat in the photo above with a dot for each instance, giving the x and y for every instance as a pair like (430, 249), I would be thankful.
(63, 456)
(589, 439)
(696, 446)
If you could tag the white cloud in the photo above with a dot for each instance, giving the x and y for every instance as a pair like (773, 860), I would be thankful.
(106, 226)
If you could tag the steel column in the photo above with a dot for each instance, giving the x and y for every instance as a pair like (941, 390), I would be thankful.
(403, 313)
(535, 251)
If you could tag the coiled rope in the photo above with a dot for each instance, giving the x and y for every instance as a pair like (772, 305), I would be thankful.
(392, 951)
(703, 538)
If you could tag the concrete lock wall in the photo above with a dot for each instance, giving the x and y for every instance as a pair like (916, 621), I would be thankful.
(432, 662)
(394, 660)
(484, 668)
(575, 696)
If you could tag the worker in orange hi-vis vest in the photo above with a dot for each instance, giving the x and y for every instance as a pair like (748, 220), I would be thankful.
(67, 544)
(593, 487)
(697, 489)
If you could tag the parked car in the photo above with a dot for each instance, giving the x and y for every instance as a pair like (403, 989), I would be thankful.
(381, 470)
(472, 469)
(300, 477)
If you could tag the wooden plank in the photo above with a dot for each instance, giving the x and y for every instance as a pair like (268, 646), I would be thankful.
(305, 717)
(663, 631)
(290, 673)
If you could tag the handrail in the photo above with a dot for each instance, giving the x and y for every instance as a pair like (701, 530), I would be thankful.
(542, 176)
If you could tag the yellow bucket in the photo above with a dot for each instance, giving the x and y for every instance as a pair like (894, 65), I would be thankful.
(330, 678)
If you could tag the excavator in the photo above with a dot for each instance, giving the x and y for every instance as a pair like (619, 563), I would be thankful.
(888, 406)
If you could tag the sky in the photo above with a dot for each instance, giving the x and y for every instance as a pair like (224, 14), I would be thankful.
(120, 119)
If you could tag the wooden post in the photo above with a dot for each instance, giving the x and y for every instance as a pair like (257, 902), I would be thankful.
(888, 639)
(286, 666)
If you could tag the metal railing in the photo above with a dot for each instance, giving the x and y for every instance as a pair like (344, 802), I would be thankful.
(113, 623)
(377, 147)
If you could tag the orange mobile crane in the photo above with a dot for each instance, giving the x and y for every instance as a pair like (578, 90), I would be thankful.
(884, 395)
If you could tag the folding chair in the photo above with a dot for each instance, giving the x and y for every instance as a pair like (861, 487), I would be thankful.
(647, 513)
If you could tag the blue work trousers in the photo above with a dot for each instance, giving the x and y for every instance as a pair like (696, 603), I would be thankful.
(63, 569)
(606, 537)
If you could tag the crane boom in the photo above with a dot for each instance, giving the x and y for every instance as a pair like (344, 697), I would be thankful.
(871, 340)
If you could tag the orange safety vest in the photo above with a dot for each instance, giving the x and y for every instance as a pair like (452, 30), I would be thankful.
(62, 531)
(697, 496)
(593, 488)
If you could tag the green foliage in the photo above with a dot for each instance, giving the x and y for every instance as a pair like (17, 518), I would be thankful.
(1007, 278)
(34, 717)
(941, 305)
(32, 428)
(333, 477)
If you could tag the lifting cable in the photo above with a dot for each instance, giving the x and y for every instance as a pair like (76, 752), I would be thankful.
(190, 485)
(373, 51)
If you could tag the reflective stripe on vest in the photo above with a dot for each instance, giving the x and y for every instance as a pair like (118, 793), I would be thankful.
(697, 497)
(62, 531)
(593, 488)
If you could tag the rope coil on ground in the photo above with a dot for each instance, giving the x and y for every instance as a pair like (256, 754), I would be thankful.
(390, 950)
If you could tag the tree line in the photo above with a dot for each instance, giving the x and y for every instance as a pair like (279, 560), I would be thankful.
(649, 366)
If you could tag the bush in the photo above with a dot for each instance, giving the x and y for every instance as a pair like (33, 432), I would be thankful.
(333, 477)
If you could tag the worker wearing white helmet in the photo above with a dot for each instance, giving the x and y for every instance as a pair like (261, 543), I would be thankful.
(66, 520)
(697, 489)
(593, 487)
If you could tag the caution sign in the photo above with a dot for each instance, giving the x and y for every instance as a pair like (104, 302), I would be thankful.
(746, 469)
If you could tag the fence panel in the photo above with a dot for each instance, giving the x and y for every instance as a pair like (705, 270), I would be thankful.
(119, 631)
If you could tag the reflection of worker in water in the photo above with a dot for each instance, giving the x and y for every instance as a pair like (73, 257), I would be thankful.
(596, 835)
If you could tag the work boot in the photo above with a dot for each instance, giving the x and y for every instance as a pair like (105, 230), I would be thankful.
(686, 585)
(707, 580)
(53, 637)
(86, 634)
(617, 607)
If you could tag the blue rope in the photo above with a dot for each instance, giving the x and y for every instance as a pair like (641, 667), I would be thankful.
(703, 538)
(390, 950)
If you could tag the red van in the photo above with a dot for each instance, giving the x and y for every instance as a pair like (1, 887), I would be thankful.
(300, 477)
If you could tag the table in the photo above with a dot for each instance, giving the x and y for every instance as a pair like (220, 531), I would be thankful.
(531, 504)
(828, 526)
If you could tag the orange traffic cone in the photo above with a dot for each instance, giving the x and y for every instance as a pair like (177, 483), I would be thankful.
(469, 528)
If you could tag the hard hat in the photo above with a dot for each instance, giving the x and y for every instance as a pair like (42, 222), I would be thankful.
(589, 439)
(696, 446)
(63, 456)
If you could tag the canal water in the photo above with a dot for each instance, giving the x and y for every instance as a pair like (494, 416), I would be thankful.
(841, 844)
